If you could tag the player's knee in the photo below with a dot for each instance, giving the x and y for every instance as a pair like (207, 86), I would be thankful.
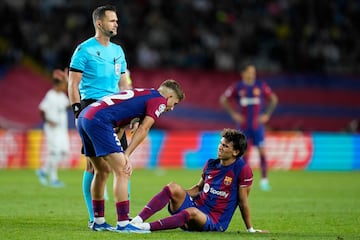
(174, 187)
(107, 169)
(193, 212)
(102, 174)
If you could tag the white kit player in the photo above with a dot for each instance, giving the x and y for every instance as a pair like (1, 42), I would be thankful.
(53, 109)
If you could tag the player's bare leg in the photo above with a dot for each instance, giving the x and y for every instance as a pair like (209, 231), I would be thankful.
(101, 174)
(117, 163)
(178, 195)
(124, 145)
(86, 187)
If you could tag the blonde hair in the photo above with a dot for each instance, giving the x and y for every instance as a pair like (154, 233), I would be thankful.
(175, 86)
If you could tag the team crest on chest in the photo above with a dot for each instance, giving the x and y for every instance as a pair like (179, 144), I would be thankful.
(256, 92)
(227, 180)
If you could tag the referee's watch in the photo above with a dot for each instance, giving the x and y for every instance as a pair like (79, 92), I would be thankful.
(76, 107)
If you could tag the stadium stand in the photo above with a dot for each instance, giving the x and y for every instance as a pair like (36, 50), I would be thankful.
(306, 102)
(21, 91)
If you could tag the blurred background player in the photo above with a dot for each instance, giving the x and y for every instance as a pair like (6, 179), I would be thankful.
(96, 126)
(97, 68)
(53, 109)
(209, 205)
(255, 103)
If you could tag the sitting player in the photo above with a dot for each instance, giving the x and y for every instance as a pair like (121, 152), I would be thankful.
(209, 205)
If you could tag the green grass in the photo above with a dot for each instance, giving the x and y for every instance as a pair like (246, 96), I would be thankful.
(301, 205)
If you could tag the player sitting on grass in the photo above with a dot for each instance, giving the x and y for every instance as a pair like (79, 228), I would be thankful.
(209, 205)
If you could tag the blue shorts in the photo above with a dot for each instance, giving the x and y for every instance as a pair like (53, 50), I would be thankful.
(188, 202)
(98, 139)
(256, 136)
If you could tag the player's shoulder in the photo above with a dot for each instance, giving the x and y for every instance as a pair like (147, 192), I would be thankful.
(260, 82)
(240, 164)
(144, 90)
(239, 84)
(212, 162)
(51, 93)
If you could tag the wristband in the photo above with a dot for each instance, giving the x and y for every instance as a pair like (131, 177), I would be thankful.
(251, 230)
(76, 107)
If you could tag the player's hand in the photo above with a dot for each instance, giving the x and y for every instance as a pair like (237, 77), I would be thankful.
(134, 124)
(264, 118)
(238, 118)
(127, 167)
(252, 230)
(51, 123)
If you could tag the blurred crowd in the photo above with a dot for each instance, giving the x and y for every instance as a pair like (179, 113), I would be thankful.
(278, 35)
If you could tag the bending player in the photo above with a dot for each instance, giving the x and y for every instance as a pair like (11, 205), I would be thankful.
(225, 183)
(96, 125)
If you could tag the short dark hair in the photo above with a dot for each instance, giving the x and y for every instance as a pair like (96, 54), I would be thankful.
(175, 86)
(99, 12)
(245, 65)
(237, 138)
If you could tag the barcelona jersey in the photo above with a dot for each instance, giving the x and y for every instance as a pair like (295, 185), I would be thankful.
(250, 100)
(219, 197)
(97, 121)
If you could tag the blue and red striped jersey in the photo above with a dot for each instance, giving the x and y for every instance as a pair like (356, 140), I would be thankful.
(119, 109)
(250, 100)
(219, 197)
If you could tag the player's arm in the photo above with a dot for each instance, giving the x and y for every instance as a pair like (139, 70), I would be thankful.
(273, 100)
(245, 181)
(244, 192)
(140, 134)
(124, 83)
(196, 189)
(47, 120)
(225, 102)
(73, 91)
(245, 209)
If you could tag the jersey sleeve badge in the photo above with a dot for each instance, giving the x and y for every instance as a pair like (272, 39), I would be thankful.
(160, 110)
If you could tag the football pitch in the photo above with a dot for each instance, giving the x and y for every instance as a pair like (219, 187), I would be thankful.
(301, 205)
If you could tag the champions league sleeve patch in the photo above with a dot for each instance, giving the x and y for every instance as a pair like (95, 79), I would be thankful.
(160, 110)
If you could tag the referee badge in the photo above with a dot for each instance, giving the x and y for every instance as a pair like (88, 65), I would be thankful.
(117, 69)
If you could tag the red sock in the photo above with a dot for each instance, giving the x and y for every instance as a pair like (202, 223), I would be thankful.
(122, 210)
(157, 203)
(174, 221)
(263, 166)
(98, 208)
